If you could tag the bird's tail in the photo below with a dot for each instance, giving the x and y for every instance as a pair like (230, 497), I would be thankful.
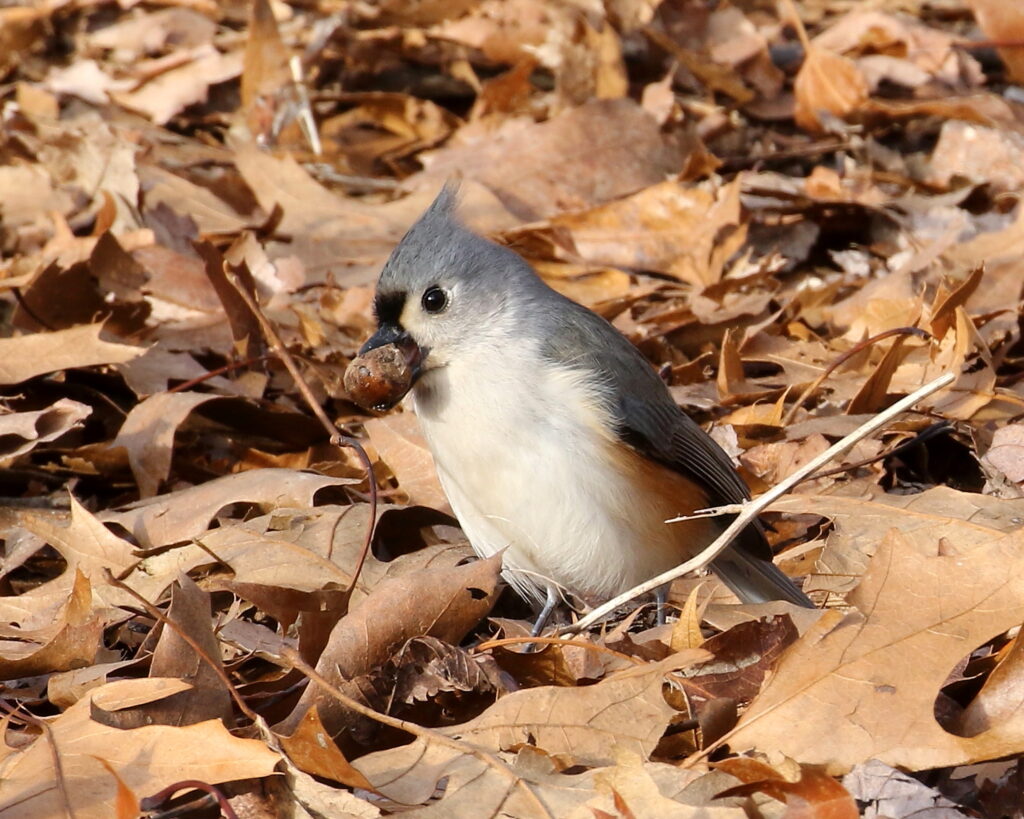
(755, 580)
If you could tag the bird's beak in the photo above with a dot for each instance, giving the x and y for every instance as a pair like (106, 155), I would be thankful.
(393, 334)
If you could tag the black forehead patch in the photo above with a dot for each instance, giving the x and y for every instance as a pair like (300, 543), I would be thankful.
(388, 307)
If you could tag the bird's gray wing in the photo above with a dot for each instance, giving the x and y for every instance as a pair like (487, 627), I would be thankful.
(662, 432)
(646, 416)
(647, 420)
(667, 435)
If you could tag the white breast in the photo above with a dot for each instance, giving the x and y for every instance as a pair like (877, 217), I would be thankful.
(526, 458)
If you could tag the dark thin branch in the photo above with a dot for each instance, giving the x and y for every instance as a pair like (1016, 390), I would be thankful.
(924, 435)
(838, 362)
(154, 801)
(51, 742)
(337, 438)
(156, 614)
(234, 365)
(29, 311)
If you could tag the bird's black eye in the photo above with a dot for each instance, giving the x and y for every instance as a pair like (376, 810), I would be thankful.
(435, 299)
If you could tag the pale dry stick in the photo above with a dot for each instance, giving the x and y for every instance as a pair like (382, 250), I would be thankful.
(428, 734)
(752, 509)
(305, 111)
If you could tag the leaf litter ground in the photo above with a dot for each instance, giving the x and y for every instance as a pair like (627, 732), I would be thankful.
(800, 212)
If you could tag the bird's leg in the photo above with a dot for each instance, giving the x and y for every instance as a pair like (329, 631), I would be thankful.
(545, 613)
(661, 596)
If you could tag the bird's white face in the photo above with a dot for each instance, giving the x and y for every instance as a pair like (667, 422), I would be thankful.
(431, 323)
(438, 321)
(446, 292)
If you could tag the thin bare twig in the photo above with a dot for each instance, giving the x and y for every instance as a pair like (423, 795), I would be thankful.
(751, 509)
(156, 614)
(838, 362)
(923, 436)
(232, 365)
(157, 799)
(24, 305)
(337, 438)
(512, 641)
(51, 741)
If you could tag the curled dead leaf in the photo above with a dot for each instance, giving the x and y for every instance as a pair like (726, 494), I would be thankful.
(827, 83)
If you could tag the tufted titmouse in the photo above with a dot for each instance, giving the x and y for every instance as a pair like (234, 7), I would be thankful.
(554, 439)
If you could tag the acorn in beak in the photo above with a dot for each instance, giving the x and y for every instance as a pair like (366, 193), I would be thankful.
(387, 366)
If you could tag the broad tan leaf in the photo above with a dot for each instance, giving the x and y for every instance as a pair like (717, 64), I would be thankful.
(21, 432)
(174, 657)
(265, 70)
(311, 749)
(626, 712)
(146, 759)
(442, 603)
(328, 232)
(863, 518)
(828, 83)
(999, 705)
(400, 444)
(256, 568)
(636, 788)
(316, 798)
(539, 169)
(148, 31)
(669, 228)
(88, 547)
(189, 83)
(178, 516)
(863, 686)
(814, 794)
(25, 357)
(1004, 460)
(148, 435)
(73, 638)
(1004, 24)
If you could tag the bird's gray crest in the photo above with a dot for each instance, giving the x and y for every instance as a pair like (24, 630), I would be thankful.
(428, 239)
(447, 200)
(439, 217)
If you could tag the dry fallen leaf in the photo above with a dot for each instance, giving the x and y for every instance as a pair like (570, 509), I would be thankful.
(398, 440)
(537, 169)
(862, 519)
(442, 603)
(669, 228)
(21, 432)
(1004, 24)
(173, 657)
(25, 357)
(845, 693)
(188, 83)
(814, 794)
(148, 435)
(999, 705)
(72, 639)
(1005, 456)
(627, 711)
(180, 515)
(643, 157)
(827, 83)
(146, 759)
